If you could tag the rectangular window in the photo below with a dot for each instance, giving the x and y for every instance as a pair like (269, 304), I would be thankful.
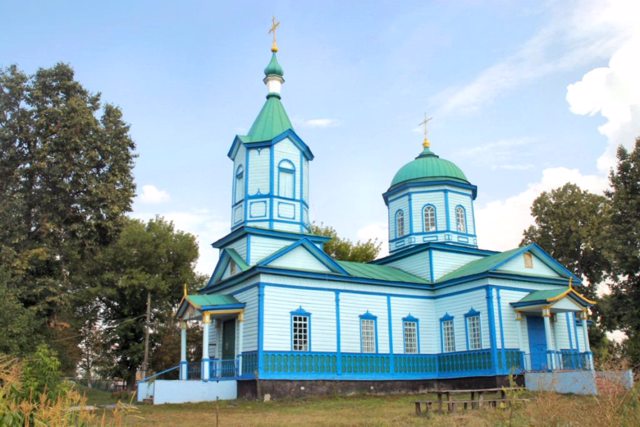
(285, 183)
(368, 335)
(473, 329)
(448, 337)
(300, 333)
(410, 337)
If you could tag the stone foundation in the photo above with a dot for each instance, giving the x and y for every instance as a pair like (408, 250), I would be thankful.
(287, 389)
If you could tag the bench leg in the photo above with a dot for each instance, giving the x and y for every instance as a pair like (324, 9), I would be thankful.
(418, 409)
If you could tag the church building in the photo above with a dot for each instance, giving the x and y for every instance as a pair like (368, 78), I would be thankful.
(281, 317)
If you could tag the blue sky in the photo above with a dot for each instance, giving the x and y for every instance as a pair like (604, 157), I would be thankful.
(525, 95)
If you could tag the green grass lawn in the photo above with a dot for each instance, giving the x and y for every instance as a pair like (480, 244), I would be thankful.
(396, 410)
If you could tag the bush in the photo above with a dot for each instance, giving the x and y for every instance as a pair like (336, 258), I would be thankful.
(41, 374)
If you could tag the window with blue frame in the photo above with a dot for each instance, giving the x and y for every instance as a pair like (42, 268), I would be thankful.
(473, 329)
(368, 333)
(447, 334)
(286, 179)
(429, 214)
(410, 334)
(461, 219)
(239, 185)
(300, 330)
(399, 223)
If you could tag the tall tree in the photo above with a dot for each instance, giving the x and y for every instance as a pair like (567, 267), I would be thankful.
(573, 226)
(65, 184)
(344, 249)
(624, 245)
(148, 261)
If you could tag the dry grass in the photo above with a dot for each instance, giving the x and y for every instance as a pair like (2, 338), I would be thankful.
(544, 409)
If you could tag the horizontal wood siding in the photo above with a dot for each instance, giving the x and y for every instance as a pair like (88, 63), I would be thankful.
(540, 268)
(424, 311)
(464, 201)
(250, 298)
(401, 203)
(299, 259)
(240, 246)
(351, 307)
(457, 306)
(259, 176)
(262, 247)
(286, 150)
(446, 262)
(419, 201)
(509, 318)
(278, 305)
(417, 264)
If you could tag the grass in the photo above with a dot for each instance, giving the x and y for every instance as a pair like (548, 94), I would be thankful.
(96, 397)
(544, 409)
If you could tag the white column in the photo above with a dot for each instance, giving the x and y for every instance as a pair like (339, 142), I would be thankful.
(240, 339)
(546, 314)
(585, 334)
(520, 343)
(184, 366)
(206, 322)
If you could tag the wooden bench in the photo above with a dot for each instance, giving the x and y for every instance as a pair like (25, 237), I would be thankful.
(477, 399)
(465, 404)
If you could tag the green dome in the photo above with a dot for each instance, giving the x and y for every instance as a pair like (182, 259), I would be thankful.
(428, 166)
(273, 68)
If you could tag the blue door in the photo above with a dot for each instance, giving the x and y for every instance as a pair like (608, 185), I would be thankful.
(537, 343)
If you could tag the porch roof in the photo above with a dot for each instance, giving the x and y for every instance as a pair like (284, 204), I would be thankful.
(552, 296)
(213, 302)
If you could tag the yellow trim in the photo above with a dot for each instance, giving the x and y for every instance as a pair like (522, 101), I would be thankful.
(206, 317)
(571, 291)
(425, 142)
(185, 292)
(231, 311)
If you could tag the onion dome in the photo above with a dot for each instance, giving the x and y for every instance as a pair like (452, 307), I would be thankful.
(274, 68)
(428, 167)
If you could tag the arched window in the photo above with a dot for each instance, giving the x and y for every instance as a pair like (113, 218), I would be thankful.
(239, 185)
(286, 179)
(461, 220)
(399, 223)
(429, 218)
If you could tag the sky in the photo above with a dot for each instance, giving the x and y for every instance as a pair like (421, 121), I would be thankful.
(525, 96)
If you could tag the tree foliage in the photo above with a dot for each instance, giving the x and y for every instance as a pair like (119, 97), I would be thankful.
(572, 225)
(623, 305)
(146, 258)
(344, 249)
(65, 184)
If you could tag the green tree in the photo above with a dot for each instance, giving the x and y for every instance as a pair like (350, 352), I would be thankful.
(148, 260)
(572, 225)
(624, 245)
(344, 249)
(41, 373)
(65, 184)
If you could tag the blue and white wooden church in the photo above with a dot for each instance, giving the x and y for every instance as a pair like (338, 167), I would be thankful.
(279, 311)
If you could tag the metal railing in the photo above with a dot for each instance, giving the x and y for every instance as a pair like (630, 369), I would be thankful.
(567, 360)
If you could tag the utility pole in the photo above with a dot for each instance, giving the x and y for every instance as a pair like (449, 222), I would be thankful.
(145, 361)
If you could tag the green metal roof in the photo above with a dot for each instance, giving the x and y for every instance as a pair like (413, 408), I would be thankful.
(235, 256)
(271, 121)
(428, 166)
(211, 300)
(380, 272)
(479, 266)
(274, 68)
(543, 295)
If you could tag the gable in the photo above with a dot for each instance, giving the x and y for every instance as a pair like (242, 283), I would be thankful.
(539, 267)
(567, 304)
(299, 258)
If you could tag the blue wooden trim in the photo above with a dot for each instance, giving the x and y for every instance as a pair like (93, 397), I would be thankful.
(263, 232)
(272, 184)
(222, 307)
(220, 267)
(369, 316)
(435, 218)
(464, 215)
(473, 216)
(302, 313)
(399, 213)
(445, 247)
(318, 254)
(246, 184)
(441, 190)
(289, 133)
(389, 321)
(445, 182)
(249, 249)
(260, 328)
(504, 362)
(575, 331)
(492, 326)
(434, 233)
(338, 334)
(410, 202)
(447, 318)
(410, 319)
(566, 318)
(472, 313)
(447, 210)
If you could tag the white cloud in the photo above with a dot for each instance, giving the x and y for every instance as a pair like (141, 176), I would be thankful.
(376, 230)
(153, 195)
(321, 123)
(204, 224)
(614, 92)
(500, 223)
(577, 33)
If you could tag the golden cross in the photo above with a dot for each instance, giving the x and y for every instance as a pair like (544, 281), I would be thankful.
(274, 26)
(424, 123)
